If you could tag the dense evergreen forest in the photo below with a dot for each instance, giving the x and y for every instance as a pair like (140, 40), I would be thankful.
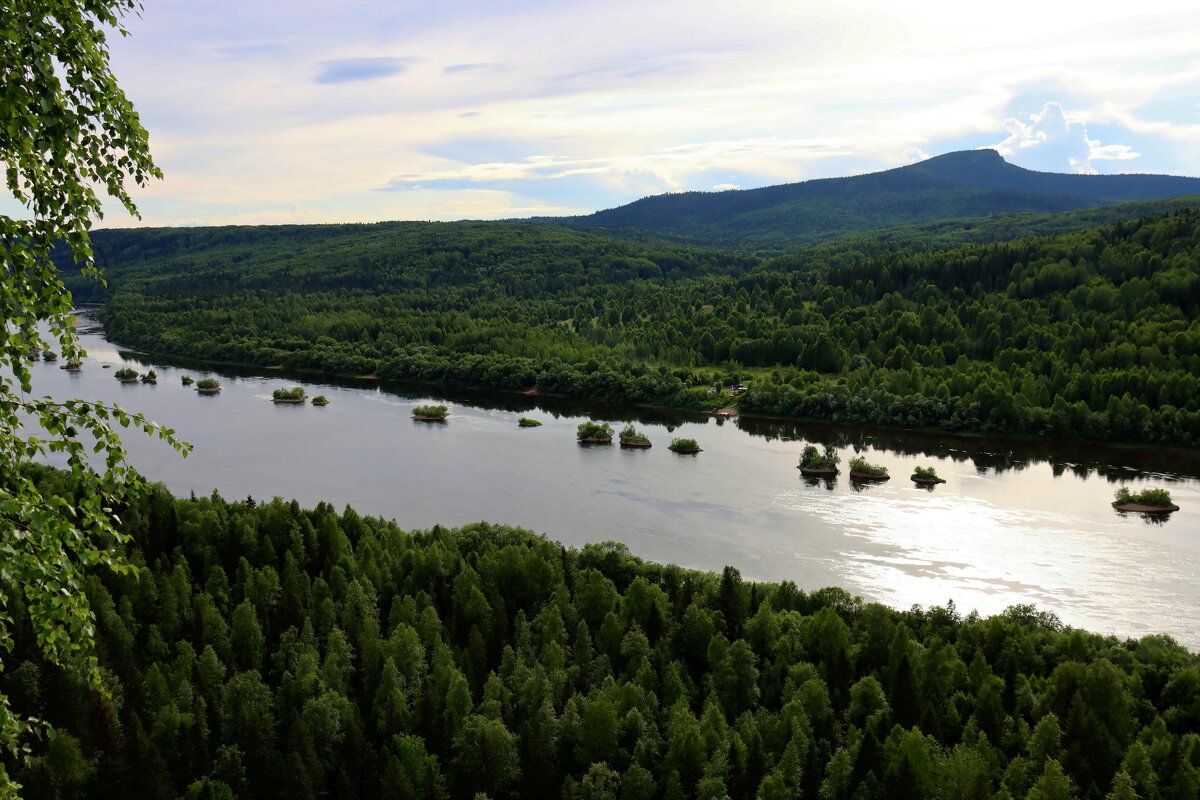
(1093, 334)
(271, 651)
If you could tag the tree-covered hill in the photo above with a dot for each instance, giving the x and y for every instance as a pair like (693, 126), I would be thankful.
(964, 184)
(270, 651)
(1093, 334)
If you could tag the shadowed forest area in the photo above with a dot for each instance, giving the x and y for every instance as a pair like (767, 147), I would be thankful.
(271, 651)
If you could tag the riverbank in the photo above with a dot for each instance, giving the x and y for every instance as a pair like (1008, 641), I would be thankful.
(1187, 458)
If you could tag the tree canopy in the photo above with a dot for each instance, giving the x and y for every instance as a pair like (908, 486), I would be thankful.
(69, 138)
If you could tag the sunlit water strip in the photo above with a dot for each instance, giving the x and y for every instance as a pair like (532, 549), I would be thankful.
(913, 549)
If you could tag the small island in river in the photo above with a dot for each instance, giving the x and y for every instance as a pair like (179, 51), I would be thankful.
(592, 432)
(431, 413)
(527, 422)
(815, 464)
(632, 437)
(1147, 501)
(293, 396)
(208, 386)
(126, 375)
(683, 446)
(926, 476)
(863, 471)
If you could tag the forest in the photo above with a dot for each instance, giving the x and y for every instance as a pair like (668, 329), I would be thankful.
(1089, 335)
(262, 649)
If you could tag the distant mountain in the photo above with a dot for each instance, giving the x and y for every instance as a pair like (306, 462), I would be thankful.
(970, 183)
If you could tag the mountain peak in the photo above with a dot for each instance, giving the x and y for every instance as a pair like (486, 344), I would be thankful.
(964, 183)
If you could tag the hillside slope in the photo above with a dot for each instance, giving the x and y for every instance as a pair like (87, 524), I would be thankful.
(963, 184)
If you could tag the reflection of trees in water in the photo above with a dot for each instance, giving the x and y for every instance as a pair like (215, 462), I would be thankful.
(1156, 519)
(989, 454)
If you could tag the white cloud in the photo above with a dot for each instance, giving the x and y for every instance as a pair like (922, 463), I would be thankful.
(1052, 141)
(657, 97)
(725, 187)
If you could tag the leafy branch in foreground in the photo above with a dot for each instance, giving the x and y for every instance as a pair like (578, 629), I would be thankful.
(68, 136)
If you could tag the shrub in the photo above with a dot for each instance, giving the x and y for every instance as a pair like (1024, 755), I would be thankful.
(125, 374)
(682, 445)
(812, 458)
(208, 383)
(594, 430)
(320, 400)
(526, 422)
(860, 464)
(430, 411)
(295, 393)
(1146, 497)
(632, 434)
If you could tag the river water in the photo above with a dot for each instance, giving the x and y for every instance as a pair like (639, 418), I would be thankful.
(1015, 523)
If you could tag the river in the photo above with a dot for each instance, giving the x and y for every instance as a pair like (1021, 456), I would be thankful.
(1015, 522)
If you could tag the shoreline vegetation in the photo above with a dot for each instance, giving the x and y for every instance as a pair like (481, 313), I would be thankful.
(817, 464)
(449, 656)
(631, 437)
(592, 432)
(1086, 336)
(1147, 501)
(430, 413)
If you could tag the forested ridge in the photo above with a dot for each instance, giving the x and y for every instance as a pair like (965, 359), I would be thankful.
(1090, 335)
(266, 650)
(967, 183)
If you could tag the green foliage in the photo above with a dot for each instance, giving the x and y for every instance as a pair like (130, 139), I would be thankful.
(320, 400)
(208, 383)
(274, 650)
(860, 464)
(1149, 497)
(812, 458)
(150, 377)
(630, 434)
(527, 422)
(126, 375)
(187, 380)
(295, 393)
(69, 137)
(437, 411)
(1087, 335)
(926, 475)
(684, 445)
(592, 430)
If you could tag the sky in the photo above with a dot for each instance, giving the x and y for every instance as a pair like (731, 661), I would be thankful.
(293, 111)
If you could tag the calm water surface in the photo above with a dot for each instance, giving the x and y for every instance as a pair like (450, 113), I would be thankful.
(1013, 524)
